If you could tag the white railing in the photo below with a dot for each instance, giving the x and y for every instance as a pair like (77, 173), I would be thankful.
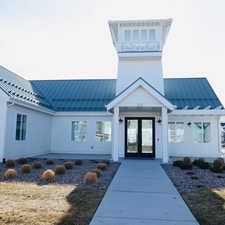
(139, 46)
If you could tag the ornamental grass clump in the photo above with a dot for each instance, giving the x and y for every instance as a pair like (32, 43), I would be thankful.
(200, 163)
(97, 171)
(217, 166)
(101, 166)
(90, 178)
(10, 174)
(36, 165)
(68, 165)
(187, 164)
(78, 162)
(50, 162)
(178, 163)
(22, 160)
(26, 168)
(10, 163)
(48, 176)
(60, 169)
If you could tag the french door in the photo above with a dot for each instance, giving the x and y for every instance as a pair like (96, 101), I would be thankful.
(139, 137)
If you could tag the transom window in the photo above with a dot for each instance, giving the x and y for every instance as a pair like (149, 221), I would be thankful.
(140, 35)
(176, 132)
(202, 132)
(103, 131)
(21, 127)
(79, 131)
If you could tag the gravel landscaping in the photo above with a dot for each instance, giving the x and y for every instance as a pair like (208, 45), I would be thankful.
(28, 200)
(202, 190)
(73, 176)
(184, 182)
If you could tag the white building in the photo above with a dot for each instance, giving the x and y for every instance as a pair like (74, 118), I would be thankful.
(139, 114)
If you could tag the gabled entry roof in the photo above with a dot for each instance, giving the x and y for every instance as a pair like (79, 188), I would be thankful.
(140, 82)
(94, 95)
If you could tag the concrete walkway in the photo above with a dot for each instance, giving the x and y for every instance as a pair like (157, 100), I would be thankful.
(142, 194)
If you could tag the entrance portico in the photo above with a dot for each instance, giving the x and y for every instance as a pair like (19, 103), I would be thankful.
(147, 110)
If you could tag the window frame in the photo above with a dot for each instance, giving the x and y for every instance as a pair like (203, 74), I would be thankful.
(204, 139)
(21, 127)
(103, 131)
(175, 138)
(73, 131)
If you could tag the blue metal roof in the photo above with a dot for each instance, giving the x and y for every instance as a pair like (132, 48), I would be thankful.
(77, 95)
(19, 88)
(93, 95)
(191, 92)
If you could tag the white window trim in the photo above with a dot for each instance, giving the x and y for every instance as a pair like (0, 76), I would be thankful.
(202, 132)
(103, 121)
(183, 138)
(73, 139)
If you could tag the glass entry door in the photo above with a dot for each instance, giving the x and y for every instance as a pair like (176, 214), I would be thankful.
(139, 137)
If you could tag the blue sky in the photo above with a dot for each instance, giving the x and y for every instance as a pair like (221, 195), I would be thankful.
(70, 39)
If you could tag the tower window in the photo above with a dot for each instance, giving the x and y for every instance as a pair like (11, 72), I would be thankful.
(140, 35)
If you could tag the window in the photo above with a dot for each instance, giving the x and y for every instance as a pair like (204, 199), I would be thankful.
(79, 131)
(151, 34)
(202, 132)
(135, 35)
(176, 132)
(21, 126)
(144, 35)
(127, 35)
(103, 131)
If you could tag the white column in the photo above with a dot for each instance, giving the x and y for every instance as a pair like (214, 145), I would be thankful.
(115, 145)
(165, 135)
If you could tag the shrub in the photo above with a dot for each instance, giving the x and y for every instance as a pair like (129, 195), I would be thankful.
(101, 166)
(221, 160)
(187, 160)
(200, 162)
(26, 168)
(217, 166)
(60, 169)
(106, 161)
(50, 162)
(68, 165)
(90, 178)
(10, 174)
(37, 165)
(48, 176)
(78, 162)
(187, 164)
(97, 171)
(23, 161)
(194, 177)
(10, 163)
(178, 163)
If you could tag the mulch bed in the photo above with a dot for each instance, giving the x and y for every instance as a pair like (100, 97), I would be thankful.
(184, 182)
(72, 176)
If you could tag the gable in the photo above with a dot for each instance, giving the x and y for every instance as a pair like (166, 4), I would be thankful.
(140, 97)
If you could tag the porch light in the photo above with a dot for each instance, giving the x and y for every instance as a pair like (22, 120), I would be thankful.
(189, 124)
(120, 120)
(159, 121)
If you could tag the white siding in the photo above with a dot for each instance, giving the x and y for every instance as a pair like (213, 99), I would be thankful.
(37, 134)
(189, 147)
(3, 116)
(61, 141)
